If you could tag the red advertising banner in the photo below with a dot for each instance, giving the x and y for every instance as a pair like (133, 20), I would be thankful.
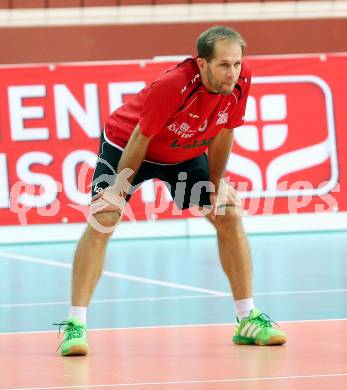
(289, 156)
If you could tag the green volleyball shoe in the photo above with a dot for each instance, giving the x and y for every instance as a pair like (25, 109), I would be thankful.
(257, 329)
(75, 341)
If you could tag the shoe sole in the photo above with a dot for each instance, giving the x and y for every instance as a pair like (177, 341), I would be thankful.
(76, 350)
(273, 340)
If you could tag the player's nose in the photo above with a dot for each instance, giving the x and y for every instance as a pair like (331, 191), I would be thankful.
(231, 74)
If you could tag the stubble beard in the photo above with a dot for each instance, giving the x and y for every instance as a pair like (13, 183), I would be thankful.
(216, 86)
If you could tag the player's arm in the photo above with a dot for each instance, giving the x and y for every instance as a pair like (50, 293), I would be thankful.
(134, 153)
(218, 154)
(113, 197)
(159, 105)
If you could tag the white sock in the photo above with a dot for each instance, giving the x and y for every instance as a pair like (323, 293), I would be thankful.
(243, 307)
(80, 312)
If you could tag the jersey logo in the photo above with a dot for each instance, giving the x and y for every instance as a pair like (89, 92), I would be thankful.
(184, 127)
(183, 130)
(194, 116)
(203, 127)
(194, 144)
(223, 116)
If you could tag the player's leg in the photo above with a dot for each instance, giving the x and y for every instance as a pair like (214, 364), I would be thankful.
(253, 327)
(87, 268)
(90, 252)
(232, 242)
(234, 252)
(89, 258)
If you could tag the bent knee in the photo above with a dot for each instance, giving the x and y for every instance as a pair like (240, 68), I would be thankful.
(104, 223)
(229, 219)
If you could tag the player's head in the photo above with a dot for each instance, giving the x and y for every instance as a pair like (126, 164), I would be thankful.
(220, 51)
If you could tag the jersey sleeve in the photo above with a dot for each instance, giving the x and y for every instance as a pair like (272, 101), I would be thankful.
(237, 117)
(161, 102)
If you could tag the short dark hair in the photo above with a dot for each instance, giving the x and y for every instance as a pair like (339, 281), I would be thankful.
(207, 40)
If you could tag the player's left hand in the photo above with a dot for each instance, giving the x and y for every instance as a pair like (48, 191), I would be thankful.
(107, 200)
(225, 195)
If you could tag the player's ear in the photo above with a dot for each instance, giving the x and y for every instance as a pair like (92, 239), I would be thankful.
(202, 63)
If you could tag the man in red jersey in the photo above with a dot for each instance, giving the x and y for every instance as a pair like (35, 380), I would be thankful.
(164, 132)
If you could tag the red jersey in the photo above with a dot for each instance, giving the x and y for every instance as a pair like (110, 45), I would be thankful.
(180, 113)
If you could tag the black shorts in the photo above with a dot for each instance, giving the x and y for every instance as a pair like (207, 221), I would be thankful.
(188, 182)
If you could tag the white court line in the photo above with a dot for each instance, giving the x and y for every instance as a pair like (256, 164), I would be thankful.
(230, 380)
(61, 264)
(299, 292)
(116, 300)
(175, 326)
(173, 298)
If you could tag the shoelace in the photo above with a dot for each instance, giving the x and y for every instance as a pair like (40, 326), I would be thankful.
(71, 331)
(263, 320)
